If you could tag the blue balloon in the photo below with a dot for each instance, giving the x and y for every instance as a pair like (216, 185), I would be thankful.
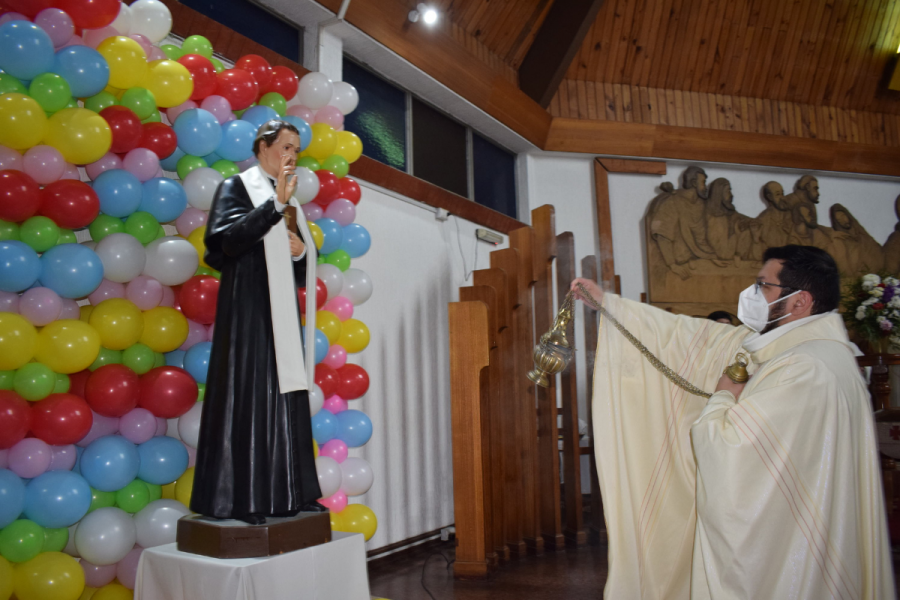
(71, 270)
(163, 198)
(257, 115)
(196, 361)
(353, 427)
(78, 452)
(334, 235)
(163, 460)
(303, 127)
(12, 497)
(85, 69)
(212, 157)
(321, 345)
(175, 358)
(237, 140)
(20, 266)
(110, 463)
(26, 50)
(170, 163)
(198, 131)
(119, 192)
(357, 240)
(57, 499)
(324, 426)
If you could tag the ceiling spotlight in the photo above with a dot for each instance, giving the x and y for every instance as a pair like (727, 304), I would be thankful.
(428, 14)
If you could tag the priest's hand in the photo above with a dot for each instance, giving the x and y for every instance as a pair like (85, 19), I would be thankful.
(286, 183)
(297, 246)
(726, 384)
(592, 288)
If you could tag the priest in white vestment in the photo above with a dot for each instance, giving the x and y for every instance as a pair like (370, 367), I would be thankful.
(767, 490)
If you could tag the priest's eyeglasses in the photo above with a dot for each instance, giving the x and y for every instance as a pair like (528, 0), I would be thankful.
(759, 282)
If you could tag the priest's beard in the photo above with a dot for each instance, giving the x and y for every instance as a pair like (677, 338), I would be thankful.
(776, 311)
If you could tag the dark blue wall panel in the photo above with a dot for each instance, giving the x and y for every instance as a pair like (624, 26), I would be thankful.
(253, 22)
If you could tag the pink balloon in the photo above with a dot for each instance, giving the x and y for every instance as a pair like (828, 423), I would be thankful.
(44, 164)
(190, 219)
(336, 502)
(4, 459)
(335, 404)
(106, 290)
(70, 310)
(143, 40)
(30, 457)
(298, 110)
(196, 334)
(40, 305)
(192, 455)
(100, 427)
(312, 211)
(162, 426)
(219, 107)
(71, 172)
(168, 297)
(75, 40)
(144, 291)
(156, 54)
(336, 357)
(142, 163)
(13, 16)
(209, 332)
(63, 458)
(97, 575)
(137, 425)
(10, 159)
(330, 115)
(93, 37)
(340, 306)
(9, 302)
(159, 173)
(174, 111)
(57, 24)
(341, 210)
(246, 164)
(106, 162)
(335, 448)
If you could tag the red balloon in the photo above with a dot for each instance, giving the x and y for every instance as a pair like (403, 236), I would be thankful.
(284, 81)
(202, 72)
(257, 66)
(112, 390)
(20, 196)
(176, 304)
(167, 392)
(126, 128)
(321, 296)
(159, 138)
(327, 379)
(29, 8)
(15, 419)
(329, 188)
(238, 87)
(354, 381)
(90, 14)
(198, 299)
(349, 190)
(70, 203)
(77, 381)
(61, 419)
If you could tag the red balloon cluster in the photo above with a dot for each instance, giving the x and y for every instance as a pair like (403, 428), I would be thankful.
(327, 379)
(202, 72)
(284, 81)
(349, 190)
(159, 138)
(125, 126)
(329, 188)
(112, 390)
(88, 14)
(238, 87)
(61, 419)
(15, 419)
(321, 296)
(29, 8)
(258, 67)
(78, 381)
(20, 196)
(70, 203)
(353, 382)
(198, 299)
(167, 392)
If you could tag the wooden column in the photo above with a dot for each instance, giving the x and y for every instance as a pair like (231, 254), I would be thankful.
(596, 526)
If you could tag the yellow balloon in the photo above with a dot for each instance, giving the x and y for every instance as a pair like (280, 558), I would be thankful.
(49, 575)
(184, 485)
(117, 92)
(196, 239)
(169, 82)
(337, 523)
(168, 491)
(113, 591)
(67, 346)
(348, 145)
(23, 123)
(86, 311)
(119, 323)
(328, 323)
(164, 329)
(359, 518)
(323, 142)
(315, 454)
(6, 579)
(318, 236)
(81, 135)
(127, 61)
(354, 336)
(18, 341)
(88, 593)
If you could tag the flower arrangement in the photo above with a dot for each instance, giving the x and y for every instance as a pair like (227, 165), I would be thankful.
(872, 310)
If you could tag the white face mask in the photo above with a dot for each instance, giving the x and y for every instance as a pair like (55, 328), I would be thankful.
(753, 310)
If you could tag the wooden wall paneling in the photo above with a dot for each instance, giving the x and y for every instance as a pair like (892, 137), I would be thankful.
(604, 225)
(596, 526)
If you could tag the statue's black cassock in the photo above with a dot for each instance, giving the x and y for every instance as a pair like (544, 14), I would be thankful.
(255, 453)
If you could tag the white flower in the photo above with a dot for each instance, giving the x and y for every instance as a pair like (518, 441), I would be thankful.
(877, 292)
(869, 301)
(861, 313)
(894, 302)
(891, 281)
(869, 281)
(884, 324)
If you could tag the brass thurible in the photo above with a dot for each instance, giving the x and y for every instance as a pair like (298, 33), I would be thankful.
(554, 352)
(737, 371)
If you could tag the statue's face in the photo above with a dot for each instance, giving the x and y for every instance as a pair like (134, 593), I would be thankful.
(774, 193)
(727, 197)
(842, 219)
(806, 216)
(700, 186)
(812, 190)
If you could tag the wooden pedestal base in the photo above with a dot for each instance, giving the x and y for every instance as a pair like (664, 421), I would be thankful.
(229, 538)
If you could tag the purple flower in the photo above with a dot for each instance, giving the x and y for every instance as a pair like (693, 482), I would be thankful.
(889, 292)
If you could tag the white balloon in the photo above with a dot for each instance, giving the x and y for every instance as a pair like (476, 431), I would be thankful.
(105, 536)
(307, 185)
(332, 277)
(171, 260)
(157, 522)
(315, 90)
(122, 24)
(357, 286)
(123, 257)
(70, 548)
(152, 19)
(329, 472)
(316, 399)
(200, 186)
(189, 425)
(344, 97)
(356, 476)
(172, 428)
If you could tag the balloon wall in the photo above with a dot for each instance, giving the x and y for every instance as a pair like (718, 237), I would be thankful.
(105, 344)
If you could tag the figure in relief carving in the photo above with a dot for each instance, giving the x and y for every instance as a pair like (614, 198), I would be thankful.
(806, 193)
(776, 220)
(729, 233)
(806, 230)
(892, 245)
(853, 249)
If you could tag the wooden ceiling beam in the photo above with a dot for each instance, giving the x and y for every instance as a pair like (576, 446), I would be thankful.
(554, 47)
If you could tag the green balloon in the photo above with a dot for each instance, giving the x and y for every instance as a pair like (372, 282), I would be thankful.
(160, 233)
(73, 103)
(66, 236)
(143, 226)
(217, 274)
(62, 385)
(197, 44)
(155, 491)
(139, 358)
(309, 162)
(34, 381)
(106, 357)
(51, 91)
(100, 101)
(21, 540)
(9, 231)
(140, 101)
(159, 359)
(226, 167)
(337, 165)
(101, 500)
(217, 64)
(6, 380)
(133, 497)
(201, 389)
(172, 52)
(154, 117)
(275, 101)
(55, 540)
(320, 260)
(188, 163)
(104, 225)
(339, 258)
(11, 85)
(41, 233)
(240, 113)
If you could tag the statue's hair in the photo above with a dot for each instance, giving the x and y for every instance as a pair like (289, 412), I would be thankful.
(804, 181)
(268, 132)
(690, 176)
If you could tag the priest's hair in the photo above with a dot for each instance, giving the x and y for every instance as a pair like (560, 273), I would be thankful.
(269, 131)
(810, 269)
